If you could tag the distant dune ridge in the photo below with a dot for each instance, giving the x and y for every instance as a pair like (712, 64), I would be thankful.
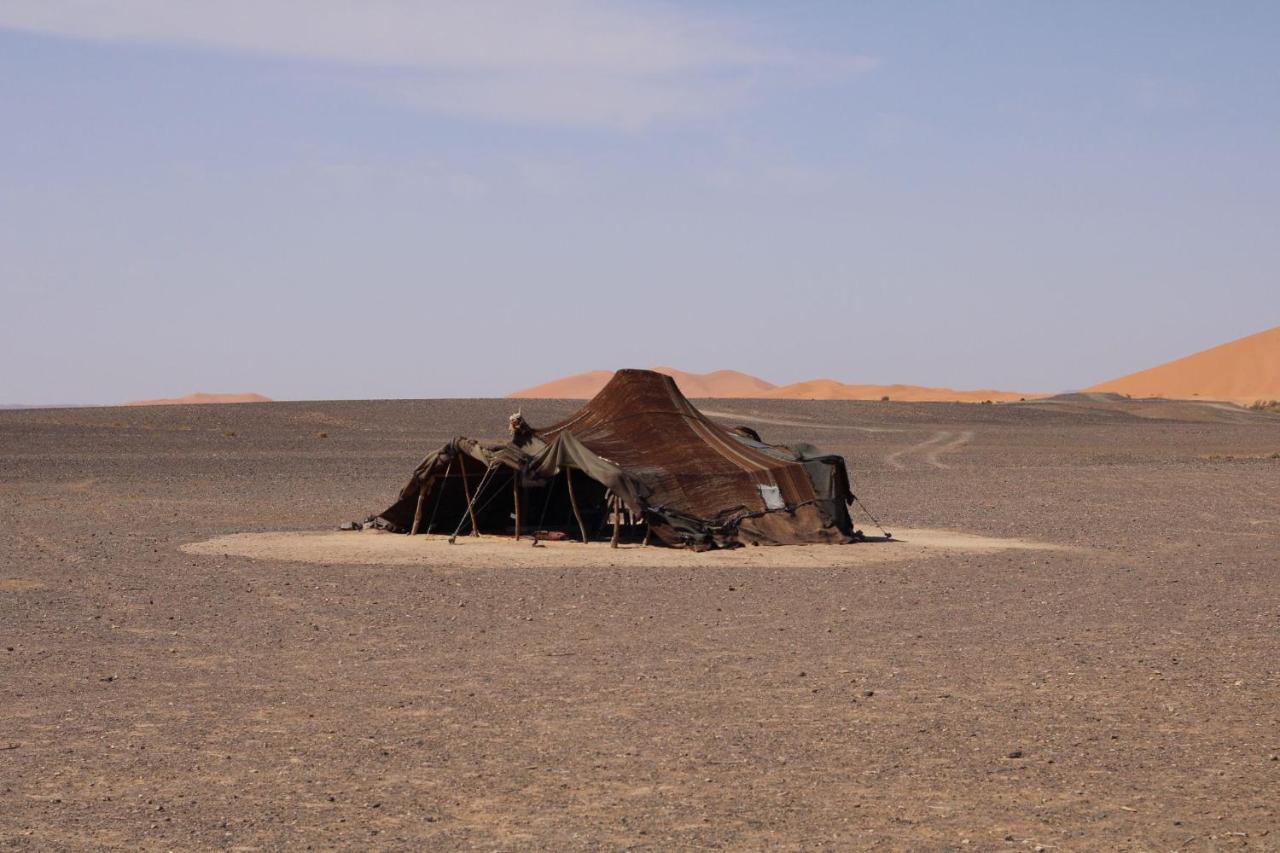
(731, 383)
(1242, 371)
(830, 389)
(200, 398)
(719, 383)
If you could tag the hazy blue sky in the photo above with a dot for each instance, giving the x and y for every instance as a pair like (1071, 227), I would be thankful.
(341, 199)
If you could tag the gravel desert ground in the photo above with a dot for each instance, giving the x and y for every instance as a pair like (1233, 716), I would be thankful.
(1119, 691)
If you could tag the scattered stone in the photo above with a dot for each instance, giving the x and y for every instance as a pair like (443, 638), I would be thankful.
(1017, 753)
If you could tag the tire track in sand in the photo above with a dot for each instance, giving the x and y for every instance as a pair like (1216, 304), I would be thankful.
(933, 447)
(955, 444)
(739, 417)
(894, 460)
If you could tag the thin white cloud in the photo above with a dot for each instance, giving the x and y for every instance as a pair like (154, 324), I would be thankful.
(586, 100)
(556, 61)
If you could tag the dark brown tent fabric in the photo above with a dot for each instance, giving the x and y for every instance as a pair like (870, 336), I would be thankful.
(642, 423)
(693, 482)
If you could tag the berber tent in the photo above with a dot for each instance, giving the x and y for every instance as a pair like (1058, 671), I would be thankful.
(638, 461)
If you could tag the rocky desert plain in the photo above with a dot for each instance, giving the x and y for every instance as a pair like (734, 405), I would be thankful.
(1074, 645)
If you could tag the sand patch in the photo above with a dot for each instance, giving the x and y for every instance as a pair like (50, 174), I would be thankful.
(376, 548)
(19, 585)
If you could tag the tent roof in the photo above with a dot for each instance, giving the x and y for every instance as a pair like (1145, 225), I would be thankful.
(643, 424)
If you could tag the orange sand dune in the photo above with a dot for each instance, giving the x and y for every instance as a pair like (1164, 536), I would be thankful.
(719, 383)
(830, 389)
(201, 398)
(1242, 371)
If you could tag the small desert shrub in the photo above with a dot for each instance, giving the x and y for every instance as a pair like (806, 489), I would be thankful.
(1265, 405)
(322, 435)
(230, 434)
(884, 399)
(1275, 455)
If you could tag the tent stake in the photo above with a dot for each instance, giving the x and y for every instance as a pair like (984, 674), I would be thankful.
(617, 522)
(515, 497)
(573, 502)
(466, 491)
(417, 513)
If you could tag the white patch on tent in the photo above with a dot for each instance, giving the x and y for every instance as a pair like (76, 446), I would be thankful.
(772, 497)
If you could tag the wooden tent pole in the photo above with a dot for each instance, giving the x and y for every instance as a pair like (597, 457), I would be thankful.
(417, 513)
(515, 496)
(431, 522)
(484, 481)
(466, 491)
(573, 502)
(617, 522)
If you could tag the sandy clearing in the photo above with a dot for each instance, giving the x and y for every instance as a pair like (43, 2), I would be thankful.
(376, 548)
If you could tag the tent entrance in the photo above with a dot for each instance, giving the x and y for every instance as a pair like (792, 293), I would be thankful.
(546, 508)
